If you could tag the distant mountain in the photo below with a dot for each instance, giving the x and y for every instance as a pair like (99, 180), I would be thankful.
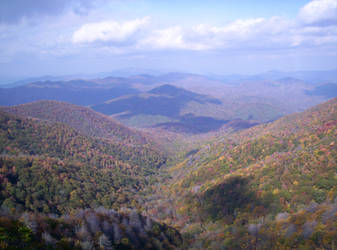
(173, 108)
(311, 76)
(129, 72)
(145, 82)
(170, 99)
(315, 76)
(10, 82)
(273, 96)
(34, 79)
(165, 100)
(79, 92)
(173, 91)
(327, 90)
(270, 185)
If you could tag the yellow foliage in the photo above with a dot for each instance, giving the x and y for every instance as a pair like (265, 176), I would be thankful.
(276, 191)
(182, 210)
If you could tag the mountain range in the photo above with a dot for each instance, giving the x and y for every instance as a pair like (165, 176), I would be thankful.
(79, 92)
(312, 76)
(245, 174)
(260, 99)
(169, 107)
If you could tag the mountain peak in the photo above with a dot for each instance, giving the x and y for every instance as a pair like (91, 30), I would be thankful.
(171, 90)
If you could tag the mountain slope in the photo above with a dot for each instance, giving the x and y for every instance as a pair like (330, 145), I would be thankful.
(222, 190)
(83, 119)
(79, 92)
(54, 168)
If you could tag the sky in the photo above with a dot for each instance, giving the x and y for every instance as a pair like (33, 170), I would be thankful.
(61, 37)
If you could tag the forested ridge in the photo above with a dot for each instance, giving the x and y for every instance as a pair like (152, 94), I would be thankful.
(67, 184)
(53, 168)
(83, 119)
(230, 193)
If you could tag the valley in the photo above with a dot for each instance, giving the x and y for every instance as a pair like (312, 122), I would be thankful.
(171, 161)
(168, 125)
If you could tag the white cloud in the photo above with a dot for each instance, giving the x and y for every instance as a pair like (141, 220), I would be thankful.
(319, 12)
(62, 37)
(258, 33)
(313, 35)
(108, 31)
(206, 37)
(243, 31)
(170, 38)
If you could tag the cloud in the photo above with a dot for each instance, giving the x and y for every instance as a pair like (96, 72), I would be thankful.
(108, 31)
(13, 11)
(170, 38)
(315, 36)
(246, 34)
(237, 32)
(319, 12)
(72, 35)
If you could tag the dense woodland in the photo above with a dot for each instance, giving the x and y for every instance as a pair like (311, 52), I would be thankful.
(224, 189)
(53, 168)
(86, 229)
(83, 181)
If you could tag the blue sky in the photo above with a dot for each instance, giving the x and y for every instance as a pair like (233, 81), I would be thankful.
(218, 12)
(59, 37)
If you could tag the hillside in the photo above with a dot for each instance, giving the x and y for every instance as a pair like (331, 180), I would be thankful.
(270, 186)
(54, 168)
(83, 119)
(239, 191)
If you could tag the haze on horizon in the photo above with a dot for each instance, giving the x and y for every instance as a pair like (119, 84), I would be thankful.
(59, 37)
